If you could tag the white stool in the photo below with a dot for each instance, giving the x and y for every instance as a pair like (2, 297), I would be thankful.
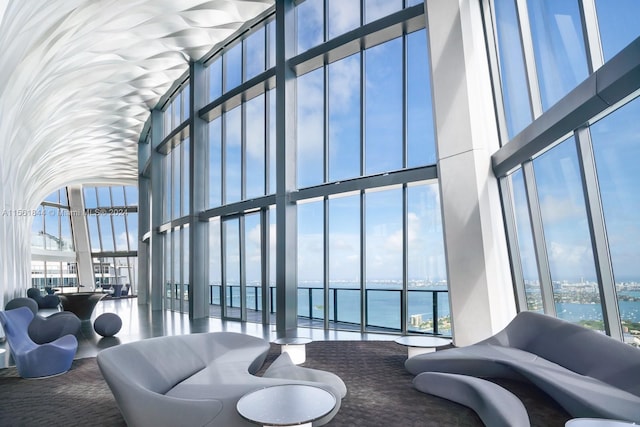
(295, 346)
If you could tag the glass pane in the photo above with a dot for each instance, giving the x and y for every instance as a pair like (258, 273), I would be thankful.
(185, 270)
(255, 54)
(215, 268)
(311, 261)
(63, 197)
(255, 146)
(52, 229)
(106, 232)
(233, 156)
(253, 262)
(376, 9)
(310, 132)
(343, 16)
(53, 197)
(166, 120)
(272, 141)
(94, 235)
(344, 118)
(344, 257)
(122, 239)
(166, 203)
(132, 225)
(558, 44)
(186, 100)
(383, 263)
(177, 267)
(616, 142)
(515, 90)
(383, 114)
(104, 196)
(618, 25)
(175, 186)
(421, 147)
(215, 79)
(271, 31)
(117, 196)
(232, 266)
(37, 229)
(215, 163)
(233, 67)
(309, 17)
(426, 268)
(66, 238)
(185, 147)
(168, 273)
(568, 242)
(131, 193)
(272, 256)
(176, 110)
(90, 197)
(525, 243)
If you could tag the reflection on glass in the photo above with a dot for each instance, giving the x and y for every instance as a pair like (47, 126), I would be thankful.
(615, 144)
(567, 237)
(90, 197)
(233, 156)
(558, 44)
(215, 267)
(94, 234)
(132, 224)
(185, 148)
(186, 100)
(343, 16)
(255, 147)
(253, 260)
(166, 194)
(232, 266)
(272, 255)
(617, 21)
(310, 129)
(215, 79)
(525, 243)
(344, 257)
(272, 141)
(515, 92)
(106, 232)
(421, 148)
(271, 33)
(426, 268)
(232, 60)
(177, 266)
(185, 270)
(383, 107)
(168, 276)
(383, 262)
(176, 198)
(310, 26)
(215, 163)
(376, 9)
(255, 54)
(344, 118)
(311, 260)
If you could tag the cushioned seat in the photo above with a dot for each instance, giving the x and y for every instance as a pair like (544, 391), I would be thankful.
(47, 329)
(107, 324)
(190, 380)
(496, 406)
(47, 301)
(588, 373)
(34, 360)
(22, 302)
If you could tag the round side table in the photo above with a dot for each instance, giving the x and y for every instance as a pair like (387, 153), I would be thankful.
(597, 422)
(420, 344)
(295, 346)
(286, 405)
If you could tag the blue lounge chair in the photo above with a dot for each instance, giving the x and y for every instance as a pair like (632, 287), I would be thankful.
(34, 360)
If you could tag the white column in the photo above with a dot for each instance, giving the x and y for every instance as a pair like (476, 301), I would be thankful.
(480, 288)
(81, 237)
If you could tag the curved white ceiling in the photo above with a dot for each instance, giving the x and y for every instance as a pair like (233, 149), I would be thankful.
(78, 78)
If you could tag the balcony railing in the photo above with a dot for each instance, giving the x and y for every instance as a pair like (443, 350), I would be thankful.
(428, 309)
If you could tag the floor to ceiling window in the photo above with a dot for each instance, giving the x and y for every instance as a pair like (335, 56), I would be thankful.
(368, 233)
(569, 181)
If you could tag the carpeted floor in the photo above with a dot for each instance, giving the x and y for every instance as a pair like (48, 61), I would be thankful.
(380, 393)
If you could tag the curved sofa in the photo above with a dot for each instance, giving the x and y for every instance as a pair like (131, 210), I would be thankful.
(588, 373)
(196, 380)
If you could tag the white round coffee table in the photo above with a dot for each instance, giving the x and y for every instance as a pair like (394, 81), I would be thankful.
(597, 422)
(295, 346)
(286, 405)
(421, 344)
